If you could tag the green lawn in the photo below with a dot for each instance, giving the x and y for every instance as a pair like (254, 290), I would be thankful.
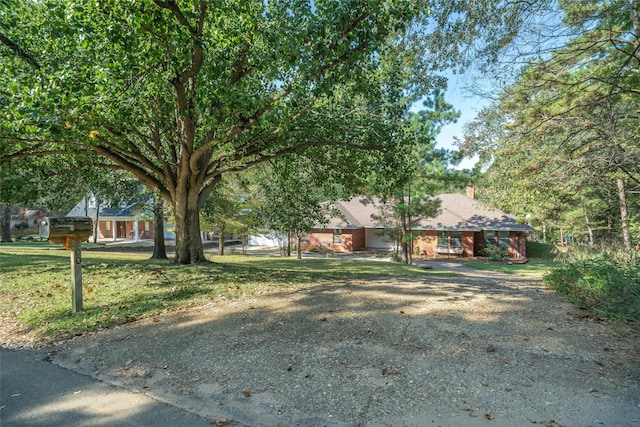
(120, 287)
(541, 256)
(534, 268)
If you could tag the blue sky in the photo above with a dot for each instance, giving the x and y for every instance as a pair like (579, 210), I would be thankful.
(468, 104)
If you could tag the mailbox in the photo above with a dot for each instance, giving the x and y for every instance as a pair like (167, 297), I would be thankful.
(70, 231)
(65, 230)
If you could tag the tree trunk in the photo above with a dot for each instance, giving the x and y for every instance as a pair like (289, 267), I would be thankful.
(220, 239)
(624, 214)
(403, 238)
(409, 222)
(6, 223)
(96, 225)
(245, 243)
(299, 246)
(189, 249)
(159, 248)
(589, 228)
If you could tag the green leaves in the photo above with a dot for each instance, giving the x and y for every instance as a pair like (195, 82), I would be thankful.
(562, 133)
(181, 93)
(602, 286)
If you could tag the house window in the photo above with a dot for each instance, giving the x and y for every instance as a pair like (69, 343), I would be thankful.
(490, 238)
(497, 238)
(146, 226)
(504, 240)
(443, 239)
(455, 239)
(337, 236)
(449, 239)
(107, 226)
(92, 203)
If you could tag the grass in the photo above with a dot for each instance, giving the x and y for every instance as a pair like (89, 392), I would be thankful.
(35, 287)
(534, 268)
(540, 262)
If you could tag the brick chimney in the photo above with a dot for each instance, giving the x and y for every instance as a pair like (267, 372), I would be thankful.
(471, 192)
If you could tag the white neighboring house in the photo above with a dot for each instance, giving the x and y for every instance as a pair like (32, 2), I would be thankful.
(269, 239)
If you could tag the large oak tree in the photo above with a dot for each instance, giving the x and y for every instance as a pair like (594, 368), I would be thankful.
(180, 92)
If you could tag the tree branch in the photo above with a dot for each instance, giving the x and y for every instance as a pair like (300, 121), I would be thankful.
(19, 51)
(37, 150)
(124, 163)
(295, 149)
(173, 7)
(239, 70)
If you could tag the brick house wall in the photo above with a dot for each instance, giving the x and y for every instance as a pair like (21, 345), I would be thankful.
(321, 239)
(517, 244)
(426, 243)
(106, 229)
(468, 238)
(478, 242)
(358, 239)
(352, 240)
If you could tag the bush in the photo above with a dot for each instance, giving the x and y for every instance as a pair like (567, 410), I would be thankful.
(616, 252)
(600, 285)
(495, 253)
(541, 250)
(313, 249)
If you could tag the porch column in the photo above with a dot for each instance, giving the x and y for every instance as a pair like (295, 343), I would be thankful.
(114, 230)
(135, 229)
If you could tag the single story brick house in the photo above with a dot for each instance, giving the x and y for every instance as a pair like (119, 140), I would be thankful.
(463, 226)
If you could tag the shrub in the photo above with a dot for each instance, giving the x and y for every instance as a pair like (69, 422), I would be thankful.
(600, 285)
(495, 253)
(313, 249)
(616, 252)
(540, 250)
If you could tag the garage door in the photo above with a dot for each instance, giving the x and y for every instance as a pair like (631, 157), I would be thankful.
(374, 241)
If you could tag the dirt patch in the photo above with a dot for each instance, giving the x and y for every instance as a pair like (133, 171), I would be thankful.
(458, 350)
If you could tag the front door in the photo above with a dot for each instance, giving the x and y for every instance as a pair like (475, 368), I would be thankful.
(121, 228)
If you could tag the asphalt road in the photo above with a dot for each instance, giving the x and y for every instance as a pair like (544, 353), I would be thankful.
(34, 392)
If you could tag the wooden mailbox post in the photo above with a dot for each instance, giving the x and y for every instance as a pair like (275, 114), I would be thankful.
(70, 232)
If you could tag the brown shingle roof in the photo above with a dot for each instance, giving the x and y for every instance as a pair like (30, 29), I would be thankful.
(457, 212)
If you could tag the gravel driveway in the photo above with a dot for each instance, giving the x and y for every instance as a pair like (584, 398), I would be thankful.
(478, 349)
